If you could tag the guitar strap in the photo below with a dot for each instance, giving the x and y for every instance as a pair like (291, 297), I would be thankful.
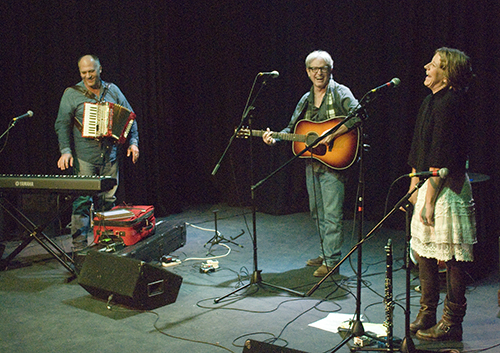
(330, 110)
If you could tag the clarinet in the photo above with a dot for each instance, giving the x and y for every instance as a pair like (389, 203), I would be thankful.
(388, 300)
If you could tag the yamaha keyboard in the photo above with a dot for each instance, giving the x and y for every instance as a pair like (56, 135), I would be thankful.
(56, 183)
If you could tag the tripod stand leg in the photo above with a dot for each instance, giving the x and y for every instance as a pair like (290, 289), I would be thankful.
(256, 275)
(255, 279)
(284, 289)
(343, 342)
(218, 238)
(215, 239)
(407, 346)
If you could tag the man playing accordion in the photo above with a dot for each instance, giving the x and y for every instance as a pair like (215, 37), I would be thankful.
(91, 155)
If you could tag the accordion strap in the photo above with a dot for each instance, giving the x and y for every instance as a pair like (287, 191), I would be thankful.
(91, 95)
(78, 124)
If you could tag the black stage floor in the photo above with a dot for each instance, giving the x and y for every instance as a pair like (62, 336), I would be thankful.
(42, 311)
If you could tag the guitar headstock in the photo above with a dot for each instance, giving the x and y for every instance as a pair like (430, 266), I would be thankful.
(243, 133)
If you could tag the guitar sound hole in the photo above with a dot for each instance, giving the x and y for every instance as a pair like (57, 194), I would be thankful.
(319, 150)
(310, 138)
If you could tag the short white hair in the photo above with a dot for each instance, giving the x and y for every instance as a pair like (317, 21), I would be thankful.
(321, 54)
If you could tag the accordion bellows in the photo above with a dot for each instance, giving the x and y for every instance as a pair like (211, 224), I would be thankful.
(106, 119)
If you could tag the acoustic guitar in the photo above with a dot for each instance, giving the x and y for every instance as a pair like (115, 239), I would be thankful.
(342, 154)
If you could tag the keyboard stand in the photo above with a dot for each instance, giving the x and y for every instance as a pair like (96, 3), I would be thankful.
(36, 232)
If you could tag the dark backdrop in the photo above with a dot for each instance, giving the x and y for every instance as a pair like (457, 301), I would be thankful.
(187, 69)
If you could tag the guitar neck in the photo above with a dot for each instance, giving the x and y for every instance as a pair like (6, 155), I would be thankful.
(281, 135)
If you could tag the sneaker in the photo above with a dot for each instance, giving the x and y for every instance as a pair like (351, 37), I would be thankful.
(323, 270)
(315, 262)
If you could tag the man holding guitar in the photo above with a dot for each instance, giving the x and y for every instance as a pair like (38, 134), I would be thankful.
(326, 101)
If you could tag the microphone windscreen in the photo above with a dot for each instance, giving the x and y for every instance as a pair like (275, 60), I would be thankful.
(443, 173)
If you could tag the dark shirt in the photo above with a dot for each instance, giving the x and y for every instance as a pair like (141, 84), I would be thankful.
(440, 133)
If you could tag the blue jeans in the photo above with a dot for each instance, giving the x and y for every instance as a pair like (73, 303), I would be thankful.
(325, 187)
(102, 201)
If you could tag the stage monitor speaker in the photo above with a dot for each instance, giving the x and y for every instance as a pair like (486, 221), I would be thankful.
(252, 346)
(132, 282)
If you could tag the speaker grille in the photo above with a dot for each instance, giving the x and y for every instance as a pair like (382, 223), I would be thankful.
(107, 271)
(132, 282)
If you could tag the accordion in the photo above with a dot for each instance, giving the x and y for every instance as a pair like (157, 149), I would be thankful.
(106, 120)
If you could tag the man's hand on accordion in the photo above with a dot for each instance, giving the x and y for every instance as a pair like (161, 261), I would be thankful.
(134, 151)
(65, 161)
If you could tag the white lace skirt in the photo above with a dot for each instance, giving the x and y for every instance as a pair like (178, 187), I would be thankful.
(454, 232)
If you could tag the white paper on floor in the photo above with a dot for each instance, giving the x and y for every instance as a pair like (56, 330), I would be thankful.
(333, 321)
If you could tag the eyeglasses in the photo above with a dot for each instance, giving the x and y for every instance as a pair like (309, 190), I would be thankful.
(323, 69)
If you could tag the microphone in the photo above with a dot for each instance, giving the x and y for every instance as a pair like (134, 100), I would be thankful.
(442, 173)
(392, 83)
(273, 74)
(29, 114)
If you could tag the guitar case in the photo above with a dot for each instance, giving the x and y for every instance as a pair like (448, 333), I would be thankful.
(124, 224)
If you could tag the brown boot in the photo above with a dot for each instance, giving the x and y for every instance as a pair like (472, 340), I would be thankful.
(449, 328)
(429, 284)
(426, 318)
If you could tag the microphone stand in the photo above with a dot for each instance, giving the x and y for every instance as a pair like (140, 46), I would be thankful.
(12, 124)
(248, 108)
(357, 329)
(407, 346)
(256, 277)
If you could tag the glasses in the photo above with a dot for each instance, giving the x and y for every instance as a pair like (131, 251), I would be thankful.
(323, 69)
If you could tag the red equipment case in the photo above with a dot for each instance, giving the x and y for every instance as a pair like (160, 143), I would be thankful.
(127, 224)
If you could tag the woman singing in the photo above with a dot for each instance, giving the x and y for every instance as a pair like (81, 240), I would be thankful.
(443, 224)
